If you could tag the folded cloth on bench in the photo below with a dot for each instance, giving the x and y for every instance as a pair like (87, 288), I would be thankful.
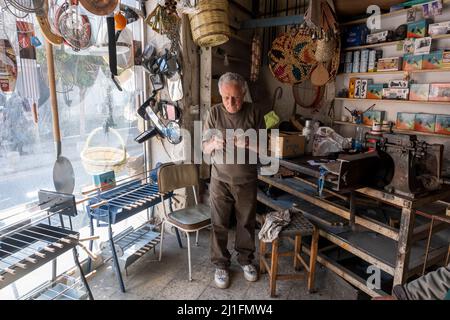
(274, 222)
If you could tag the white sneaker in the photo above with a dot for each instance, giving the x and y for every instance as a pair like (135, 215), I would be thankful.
(222, 278)
(250, 272)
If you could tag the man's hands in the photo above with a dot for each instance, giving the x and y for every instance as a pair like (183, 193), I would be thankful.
(241, 142)
(215, 143)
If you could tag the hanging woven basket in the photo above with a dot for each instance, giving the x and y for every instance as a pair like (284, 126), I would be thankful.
(97, 160)
(291, 58)
(210, 25)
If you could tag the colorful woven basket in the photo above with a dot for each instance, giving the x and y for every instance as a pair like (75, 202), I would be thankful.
(291, 58)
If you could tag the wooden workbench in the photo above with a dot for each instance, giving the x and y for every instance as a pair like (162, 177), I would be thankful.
(398, 251)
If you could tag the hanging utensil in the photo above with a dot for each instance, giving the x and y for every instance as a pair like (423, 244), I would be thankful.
(63, 174)
(8, 66)
(29, 83)
(99, 7)
(74, 26)
(42, 18)
(112, 50)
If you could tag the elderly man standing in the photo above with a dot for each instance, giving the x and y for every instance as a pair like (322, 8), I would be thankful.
(233, 185)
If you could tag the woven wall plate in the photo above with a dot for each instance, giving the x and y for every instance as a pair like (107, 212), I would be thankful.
(291, 58)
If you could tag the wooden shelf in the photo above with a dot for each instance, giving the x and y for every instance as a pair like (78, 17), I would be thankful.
(395, 130)
(397, 101)
(391, 43)
(385, 15)
(401, 72)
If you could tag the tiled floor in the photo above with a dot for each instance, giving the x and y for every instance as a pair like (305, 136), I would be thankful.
(150, 279)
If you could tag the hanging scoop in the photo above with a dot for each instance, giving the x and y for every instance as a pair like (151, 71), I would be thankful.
(112, 52)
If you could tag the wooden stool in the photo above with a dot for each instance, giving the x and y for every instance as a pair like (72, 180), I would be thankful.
(298, 227)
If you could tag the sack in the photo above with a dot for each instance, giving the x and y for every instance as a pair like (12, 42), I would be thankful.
(327, 141)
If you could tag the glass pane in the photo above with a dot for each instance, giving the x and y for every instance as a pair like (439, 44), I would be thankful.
(93, 113)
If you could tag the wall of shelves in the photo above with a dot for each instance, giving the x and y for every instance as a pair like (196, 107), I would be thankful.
(391, 21)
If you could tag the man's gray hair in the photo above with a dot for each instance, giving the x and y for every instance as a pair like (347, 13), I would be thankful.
(232, 77)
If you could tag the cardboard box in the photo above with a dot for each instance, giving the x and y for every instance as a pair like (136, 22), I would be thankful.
(433, 60)
(348, 68)
(395, 94)
(422, 45)
(375, 91)
(425, 122)
(405, 120)
(418, 29)
(358, 89)
(389, 64)
(412, 62)
(105, 181)
(287, 145)
(363, 90)
(408, 46)
(419, 92)
(446, 59)
(352, 88)
(398, 84)
(369, 117)
(356, 35)
(435, 29)
(442, 124)
(349, 57)
(439, 92)
(378, 37)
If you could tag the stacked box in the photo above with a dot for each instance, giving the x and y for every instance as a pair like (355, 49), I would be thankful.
(439, 28)
(389, 64)
(395, 94)
(348, 62)
(356, 35)
(412, 62)
(373, 116)
(363, 91)
(439, 92)
(425, 122)
(405, 120)
(419, 92)
(418, 29)
(398, 84)
(378, 37)
(352, 88)
(356, 61)
(434, 60)
(446, 59)
(422, 45)
(408, 46)
(364, 61)
(358, 89)
(375, 91)
(442, 124)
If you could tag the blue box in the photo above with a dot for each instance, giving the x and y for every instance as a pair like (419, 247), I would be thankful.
(105, 181)
(356, 35)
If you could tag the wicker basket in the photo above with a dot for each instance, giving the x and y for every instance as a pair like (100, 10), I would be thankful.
(97, 160)
(291, 57)
(210, 26)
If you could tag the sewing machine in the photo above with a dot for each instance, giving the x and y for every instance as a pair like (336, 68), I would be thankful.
(416, 165)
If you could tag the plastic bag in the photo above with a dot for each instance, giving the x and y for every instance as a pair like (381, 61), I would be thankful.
(327, 141)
